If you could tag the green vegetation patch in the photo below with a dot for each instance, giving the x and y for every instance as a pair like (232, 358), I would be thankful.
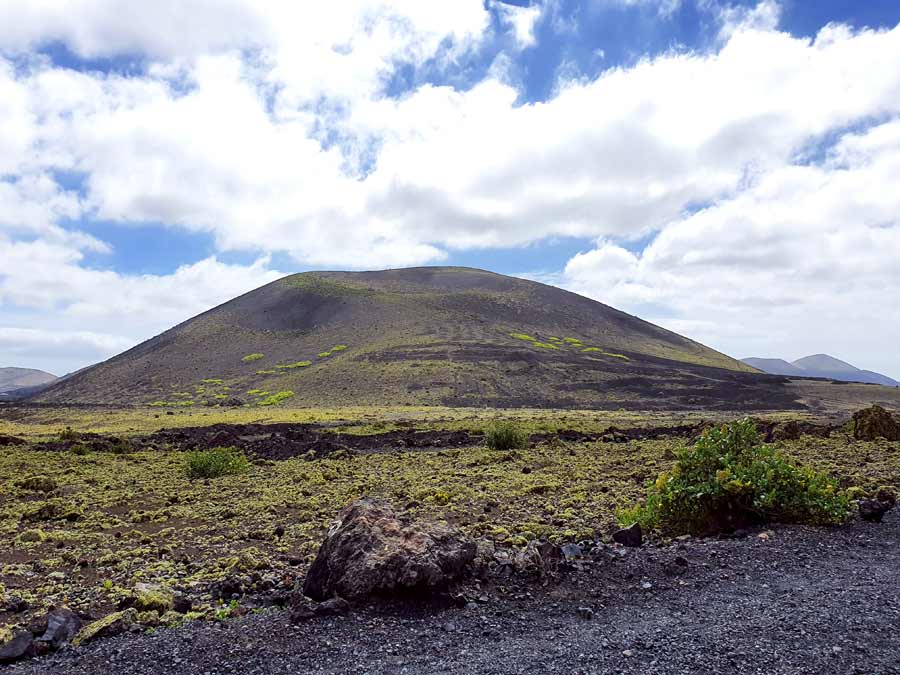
(730, 479)
(296, 364)
(255, 356)
(523, 336)
(212, 380)
(266, 372)
(275, 399)
(173, 404)
(505, 435)
(214, 463)
(339, 348)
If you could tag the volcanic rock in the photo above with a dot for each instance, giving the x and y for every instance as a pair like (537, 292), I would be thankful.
(372, 550)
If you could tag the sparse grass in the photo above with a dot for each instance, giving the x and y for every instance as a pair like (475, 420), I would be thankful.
(339, 348)
(523, 336)
(275, 399)
(212, 380)
(172, 404)
(256, 356)
(505, 435)
(266, 372)
(214, 463)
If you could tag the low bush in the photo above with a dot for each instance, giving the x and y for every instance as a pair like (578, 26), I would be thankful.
(215, 462)
(255, 356)
(505, 436)
(729, 479)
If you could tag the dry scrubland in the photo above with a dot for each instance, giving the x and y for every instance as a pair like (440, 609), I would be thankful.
(81, 528)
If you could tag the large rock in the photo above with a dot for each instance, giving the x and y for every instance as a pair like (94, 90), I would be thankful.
(17, 648)
(371, 550)
(875, 422)
(112, 624)
(62, 627)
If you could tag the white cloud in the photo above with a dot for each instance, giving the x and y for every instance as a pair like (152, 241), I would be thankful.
(267, 126)
(522, 20)
(805, 257)
(765, 16)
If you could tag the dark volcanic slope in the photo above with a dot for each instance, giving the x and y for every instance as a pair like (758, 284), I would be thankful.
(431, 335)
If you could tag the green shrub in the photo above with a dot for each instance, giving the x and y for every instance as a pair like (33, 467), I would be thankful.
(255, 356)
(729, 479)
(505, 436)
(215, 462)
(275, 399)
(68, 434)
(339, 348)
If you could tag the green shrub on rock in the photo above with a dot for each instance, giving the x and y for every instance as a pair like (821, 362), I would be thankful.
(215, 462)
(730, 479)
(505, 436)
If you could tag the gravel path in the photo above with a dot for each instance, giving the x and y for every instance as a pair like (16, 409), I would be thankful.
(803, 600)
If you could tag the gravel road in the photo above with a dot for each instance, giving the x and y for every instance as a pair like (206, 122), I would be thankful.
(794, 600)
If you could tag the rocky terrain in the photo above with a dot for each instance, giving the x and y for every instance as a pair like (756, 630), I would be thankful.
(776, 601)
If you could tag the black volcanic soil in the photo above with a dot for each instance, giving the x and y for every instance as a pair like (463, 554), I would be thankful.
(793, 600)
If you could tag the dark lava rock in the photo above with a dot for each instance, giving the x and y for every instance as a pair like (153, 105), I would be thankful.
(572, 551)
(19, 647)
(629, 536)
(62, 626)
(11, 440)
(875, 422)
(182, 604)
(15, 605)
(873, 510)
(336, 606)
(371, 550)
(677, 566)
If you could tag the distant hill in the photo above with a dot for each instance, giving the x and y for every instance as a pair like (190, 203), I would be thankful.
(19, 378)
(820, 365)
(421, 336)
(774, 366)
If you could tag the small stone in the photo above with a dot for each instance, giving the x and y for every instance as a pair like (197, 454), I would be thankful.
(646, 585)
(572, 551)
(585, 612)
(763, 535)
(17, 648)
(873, 510)
(631, 536)
(332, 607)
(628, 652)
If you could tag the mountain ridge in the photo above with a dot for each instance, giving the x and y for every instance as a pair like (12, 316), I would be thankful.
(13, 378)
(820, 365)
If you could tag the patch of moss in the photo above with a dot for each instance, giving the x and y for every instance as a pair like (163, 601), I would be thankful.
(296, 364)
(212, 380)
(256, 356)
(276, 398)
(266, 372)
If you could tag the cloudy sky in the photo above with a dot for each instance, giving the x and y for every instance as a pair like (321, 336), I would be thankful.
(728, 170)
